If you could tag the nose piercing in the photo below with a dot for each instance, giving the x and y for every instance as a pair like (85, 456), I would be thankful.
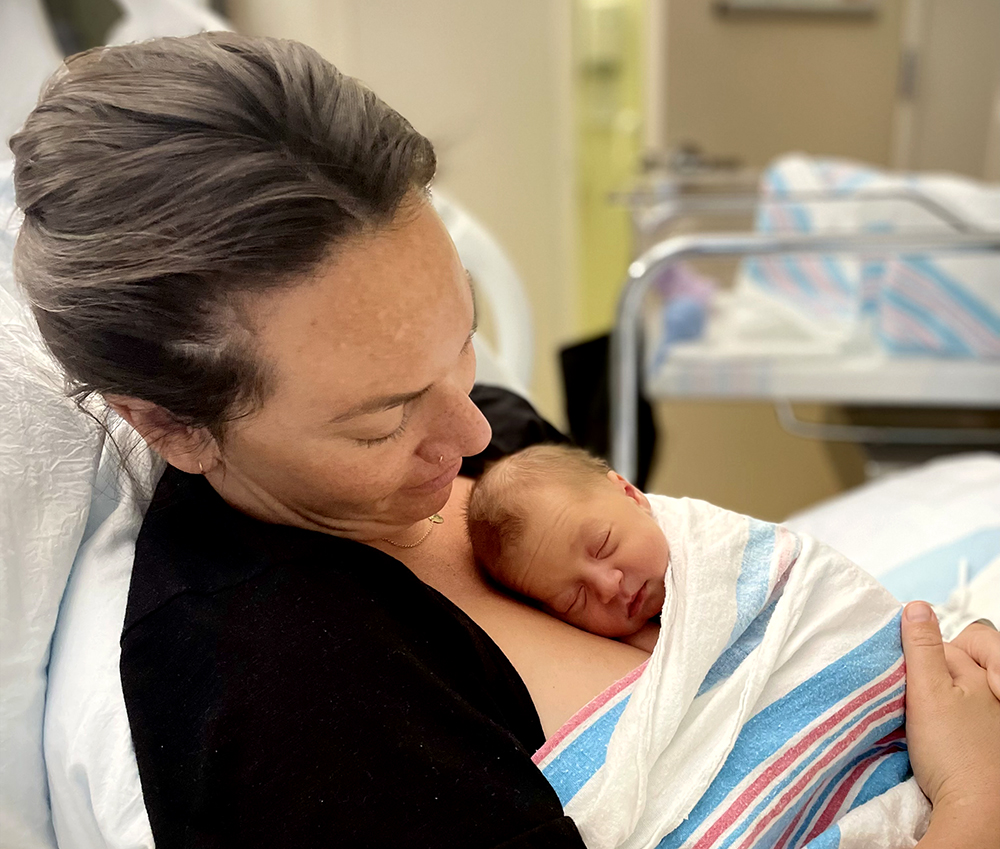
(441, 459)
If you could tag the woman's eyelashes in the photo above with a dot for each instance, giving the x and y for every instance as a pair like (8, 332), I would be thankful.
(381, 440)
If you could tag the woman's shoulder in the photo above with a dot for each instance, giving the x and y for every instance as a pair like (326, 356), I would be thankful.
(192, 543)
(302, 674)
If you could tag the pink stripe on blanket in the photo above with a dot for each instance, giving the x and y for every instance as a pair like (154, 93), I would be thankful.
(587, 711)
(822, 763)
(791, 755)
(890, 743)
(837, 801)
(789, 548)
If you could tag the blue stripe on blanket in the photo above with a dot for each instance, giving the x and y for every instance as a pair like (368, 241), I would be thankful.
(892, 770)
(773, 727)
(933, 575)
(829, 839)
(732, 657)
(972, 306)
(797, 274)
(738, 773)
(578, 762)
(865, 743)
(835, 270)
(755, 572)
(947, 337)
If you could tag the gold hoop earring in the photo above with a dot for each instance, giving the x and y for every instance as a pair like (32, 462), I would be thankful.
(201, 469)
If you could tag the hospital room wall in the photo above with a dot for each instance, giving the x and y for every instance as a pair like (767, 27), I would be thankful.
(489, 84)
(759, 85)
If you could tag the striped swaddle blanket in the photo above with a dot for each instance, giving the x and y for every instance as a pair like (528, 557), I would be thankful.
(769, 715)
(923, 305)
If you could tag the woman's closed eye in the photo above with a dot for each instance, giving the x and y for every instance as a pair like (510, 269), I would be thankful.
(371, 442)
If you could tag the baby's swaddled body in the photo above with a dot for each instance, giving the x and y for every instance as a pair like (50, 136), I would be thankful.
(770, 712)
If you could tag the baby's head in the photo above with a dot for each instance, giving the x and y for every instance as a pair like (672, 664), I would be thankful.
(556, 525)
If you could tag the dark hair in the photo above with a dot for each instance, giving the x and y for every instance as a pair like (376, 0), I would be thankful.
(496, 511)
(162, 182)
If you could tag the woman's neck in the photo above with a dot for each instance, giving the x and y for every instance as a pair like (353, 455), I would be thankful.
(444, 559)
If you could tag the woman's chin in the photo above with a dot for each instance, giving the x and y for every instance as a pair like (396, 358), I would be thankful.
(427, 504)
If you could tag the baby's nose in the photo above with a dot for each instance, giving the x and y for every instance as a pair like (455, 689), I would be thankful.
(609, 586)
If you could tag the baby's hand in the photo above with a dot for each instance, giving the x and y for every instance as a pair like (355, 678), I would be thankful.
(982, 644)
(644, 638)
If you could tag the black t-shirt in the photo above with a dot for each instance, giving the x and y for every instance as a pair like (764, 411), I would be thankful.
(289, 688)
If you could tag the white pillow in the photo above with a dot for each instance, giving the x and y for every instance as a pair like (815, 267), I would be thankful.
(93, 777)
(48, 462)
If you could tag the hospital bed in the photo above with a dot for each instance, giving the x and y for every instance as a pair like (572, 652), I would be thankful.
(68, 523)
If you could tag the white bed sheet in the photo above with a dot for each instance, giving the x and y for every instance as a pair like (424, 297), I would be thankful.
(931, 532)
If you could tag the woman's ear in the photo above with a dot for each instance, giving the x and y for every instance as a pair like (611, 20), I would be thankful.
(637, 495)
(190, 449)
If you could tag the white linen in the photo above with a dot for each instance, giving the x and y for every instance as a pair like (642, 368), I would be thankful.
(931, 532)
(48, 461)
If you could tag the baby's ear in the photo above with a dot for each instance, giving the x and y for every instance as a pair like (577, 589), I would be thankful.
(636, 494)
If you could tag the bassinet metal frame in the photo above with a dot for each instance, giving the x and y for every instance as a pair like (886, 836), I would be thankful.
(626, 342)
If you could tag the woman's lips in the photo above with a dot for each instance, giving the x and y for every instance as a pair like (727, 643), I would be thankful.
(441, 481)
(638, 599)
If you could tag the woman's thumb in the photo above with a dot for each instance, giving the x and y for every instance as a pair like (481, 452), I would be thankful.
(923, 648)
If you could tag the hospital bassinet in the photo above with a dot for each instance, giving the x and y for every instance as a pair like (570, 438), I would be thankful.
(858, 289)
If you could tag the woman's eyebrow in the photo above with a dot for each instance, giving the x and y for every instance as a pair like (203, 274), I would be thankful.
(377, 405)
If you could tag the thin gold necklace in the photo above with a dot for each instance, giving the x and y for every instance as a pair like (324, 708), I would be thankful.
(433, 520)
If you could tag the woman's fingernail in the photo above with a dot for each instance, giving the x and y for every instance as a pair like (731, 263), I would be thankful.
(919, 611)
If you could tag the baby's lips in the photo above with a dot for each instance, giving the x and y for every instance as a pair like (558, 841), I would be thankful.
(635, 603)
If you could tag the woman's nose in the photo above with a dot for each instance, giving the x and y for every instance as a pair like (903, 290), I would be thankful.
(461, 430)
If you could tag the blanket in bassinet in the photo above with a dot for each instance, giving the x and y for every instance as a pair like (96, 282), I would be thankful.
(770, 713)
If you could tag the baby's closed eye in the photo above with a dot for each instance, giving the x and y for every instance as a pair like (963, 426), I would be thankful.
(570, 602)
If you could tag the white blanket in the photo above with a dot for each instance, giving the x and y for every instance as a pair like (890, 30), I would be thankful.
(769, 714)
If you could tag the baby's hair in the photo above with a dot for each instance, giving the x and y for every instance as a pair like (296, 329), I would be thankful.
(496, 508)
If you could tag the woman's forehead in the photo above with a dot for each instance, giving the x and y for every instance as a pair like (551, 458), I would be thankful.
(375, 318)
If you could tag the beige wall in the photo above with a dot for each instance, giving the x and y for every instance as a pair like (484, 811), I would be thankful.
(489, 83)
(735, 455)
(957, 81)
(758, 85)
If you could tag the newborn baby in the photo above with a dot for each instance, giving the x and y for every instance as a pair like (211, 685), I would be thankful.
(776, 688)
(558, 526)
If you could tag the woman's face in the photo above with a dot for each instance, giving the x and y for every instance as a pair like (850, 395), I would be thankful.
(372, 362)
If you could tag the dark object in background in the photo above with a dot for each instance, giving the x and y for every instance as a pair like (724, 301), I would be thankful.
(585, 371)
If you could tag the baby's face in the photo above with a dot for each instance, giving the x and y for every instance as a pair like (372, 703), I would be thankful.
(595, 557)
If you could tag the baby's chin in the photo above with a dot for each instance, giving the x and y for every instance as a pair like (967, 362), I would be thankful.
(614, 631)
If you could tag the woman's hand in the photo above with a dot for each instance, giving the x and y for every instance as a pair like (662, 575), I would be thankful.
(953, 732)
(982, 644)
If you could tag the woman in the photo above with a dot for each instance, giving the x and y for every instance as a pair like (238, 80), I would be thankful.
(231, 243)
